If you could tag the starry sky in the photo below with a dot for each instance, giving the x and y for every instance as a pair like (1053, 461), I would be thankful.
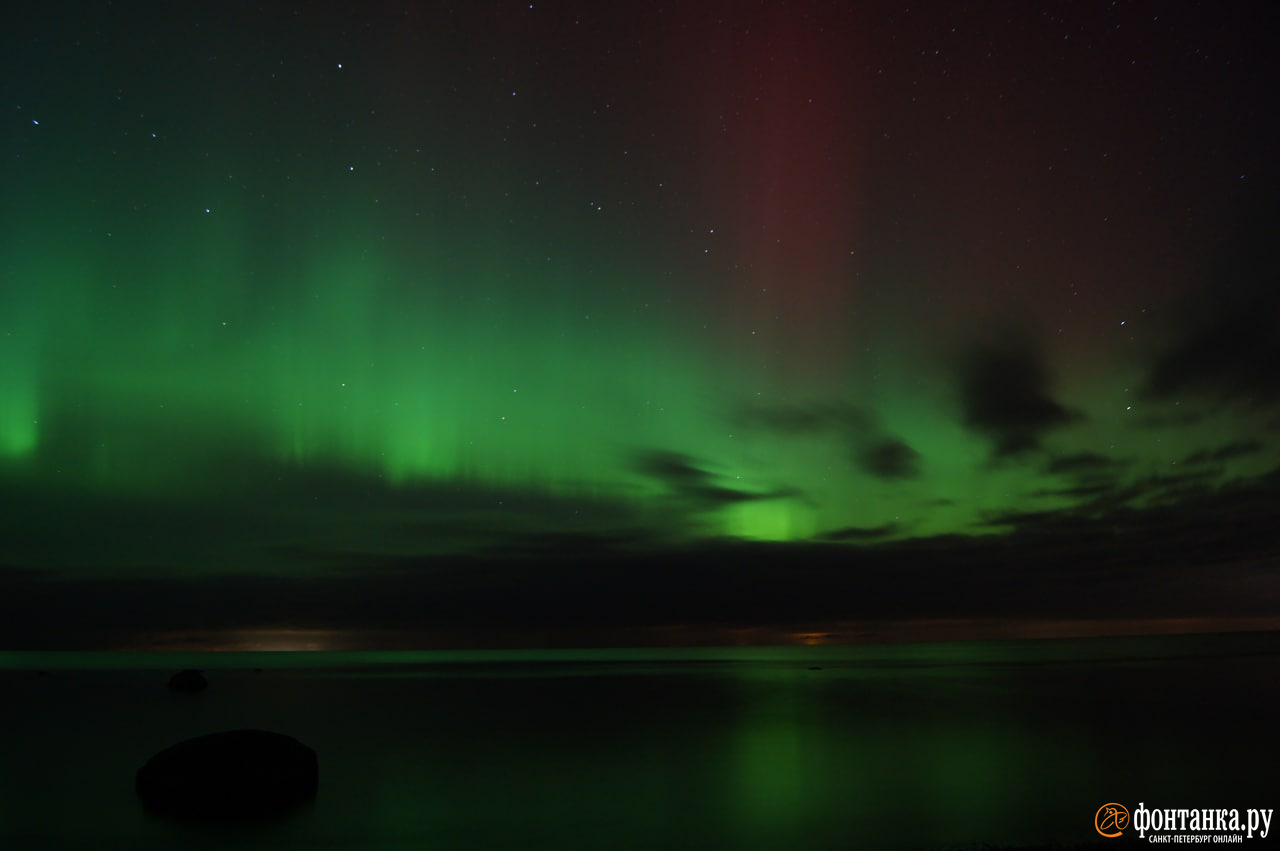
(517, 322)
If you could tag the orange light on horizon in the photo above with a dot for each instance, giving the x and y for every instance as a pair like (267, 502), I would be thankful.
(259, 640)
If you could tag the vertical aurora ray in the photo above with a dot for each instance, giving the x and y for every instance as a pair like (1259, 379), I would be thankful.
(19, 414)
(457, 381)
(19, 388)
(43, 307)
(781, 142)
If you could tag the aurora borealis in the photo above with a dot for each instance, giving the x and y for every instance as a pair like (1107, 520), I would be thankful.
(485, 315)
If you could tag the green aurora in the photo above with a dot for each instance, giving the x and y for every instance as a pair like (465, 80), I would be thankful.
(276, 286)
(179, 360)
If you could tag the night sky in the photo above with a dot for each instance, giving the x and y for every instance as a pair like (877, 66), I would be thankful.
(476, 323)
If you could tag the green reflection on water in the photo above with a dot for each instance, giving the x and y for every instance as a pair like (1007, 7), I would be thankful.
(897, 755)
(905, 746)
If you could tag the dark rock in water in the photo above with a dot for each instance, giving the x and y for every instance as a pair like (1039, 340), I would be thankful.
(234, 775)
(188, 680)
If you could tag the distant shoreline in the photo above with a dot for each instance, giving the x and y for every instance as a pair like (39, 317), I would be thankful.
(1026, 650)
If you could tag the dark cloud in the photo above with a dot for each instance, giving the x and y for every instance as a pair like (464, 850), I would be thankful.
(281, 518)
(565, 544)
(1174, 420)
(1082, 463)
(1229, 343)
(872, 450)
(1230, 358)
(889, 459)
(1212, 554)
(1160, 522)
(1163, 488)
(1226, 452)
(1107, 498)
(863, 533)
(1004, 393)
(693, 484)
(675, 470)
(802, 420)
(1090, 490)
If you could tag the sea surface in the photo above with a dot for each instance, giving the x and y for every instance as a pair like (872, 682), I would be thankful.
(956, 745)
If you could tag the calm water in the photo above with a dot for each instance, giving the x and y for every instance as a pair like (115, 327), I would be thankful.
(947, 745)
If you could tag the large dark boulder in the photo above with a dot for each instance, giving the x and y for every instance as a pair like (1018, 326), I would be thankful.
(189, 680)
(233, 775)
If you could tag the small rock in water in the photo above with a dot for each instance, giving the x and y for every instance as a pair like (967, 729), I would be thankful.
(188, 680)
